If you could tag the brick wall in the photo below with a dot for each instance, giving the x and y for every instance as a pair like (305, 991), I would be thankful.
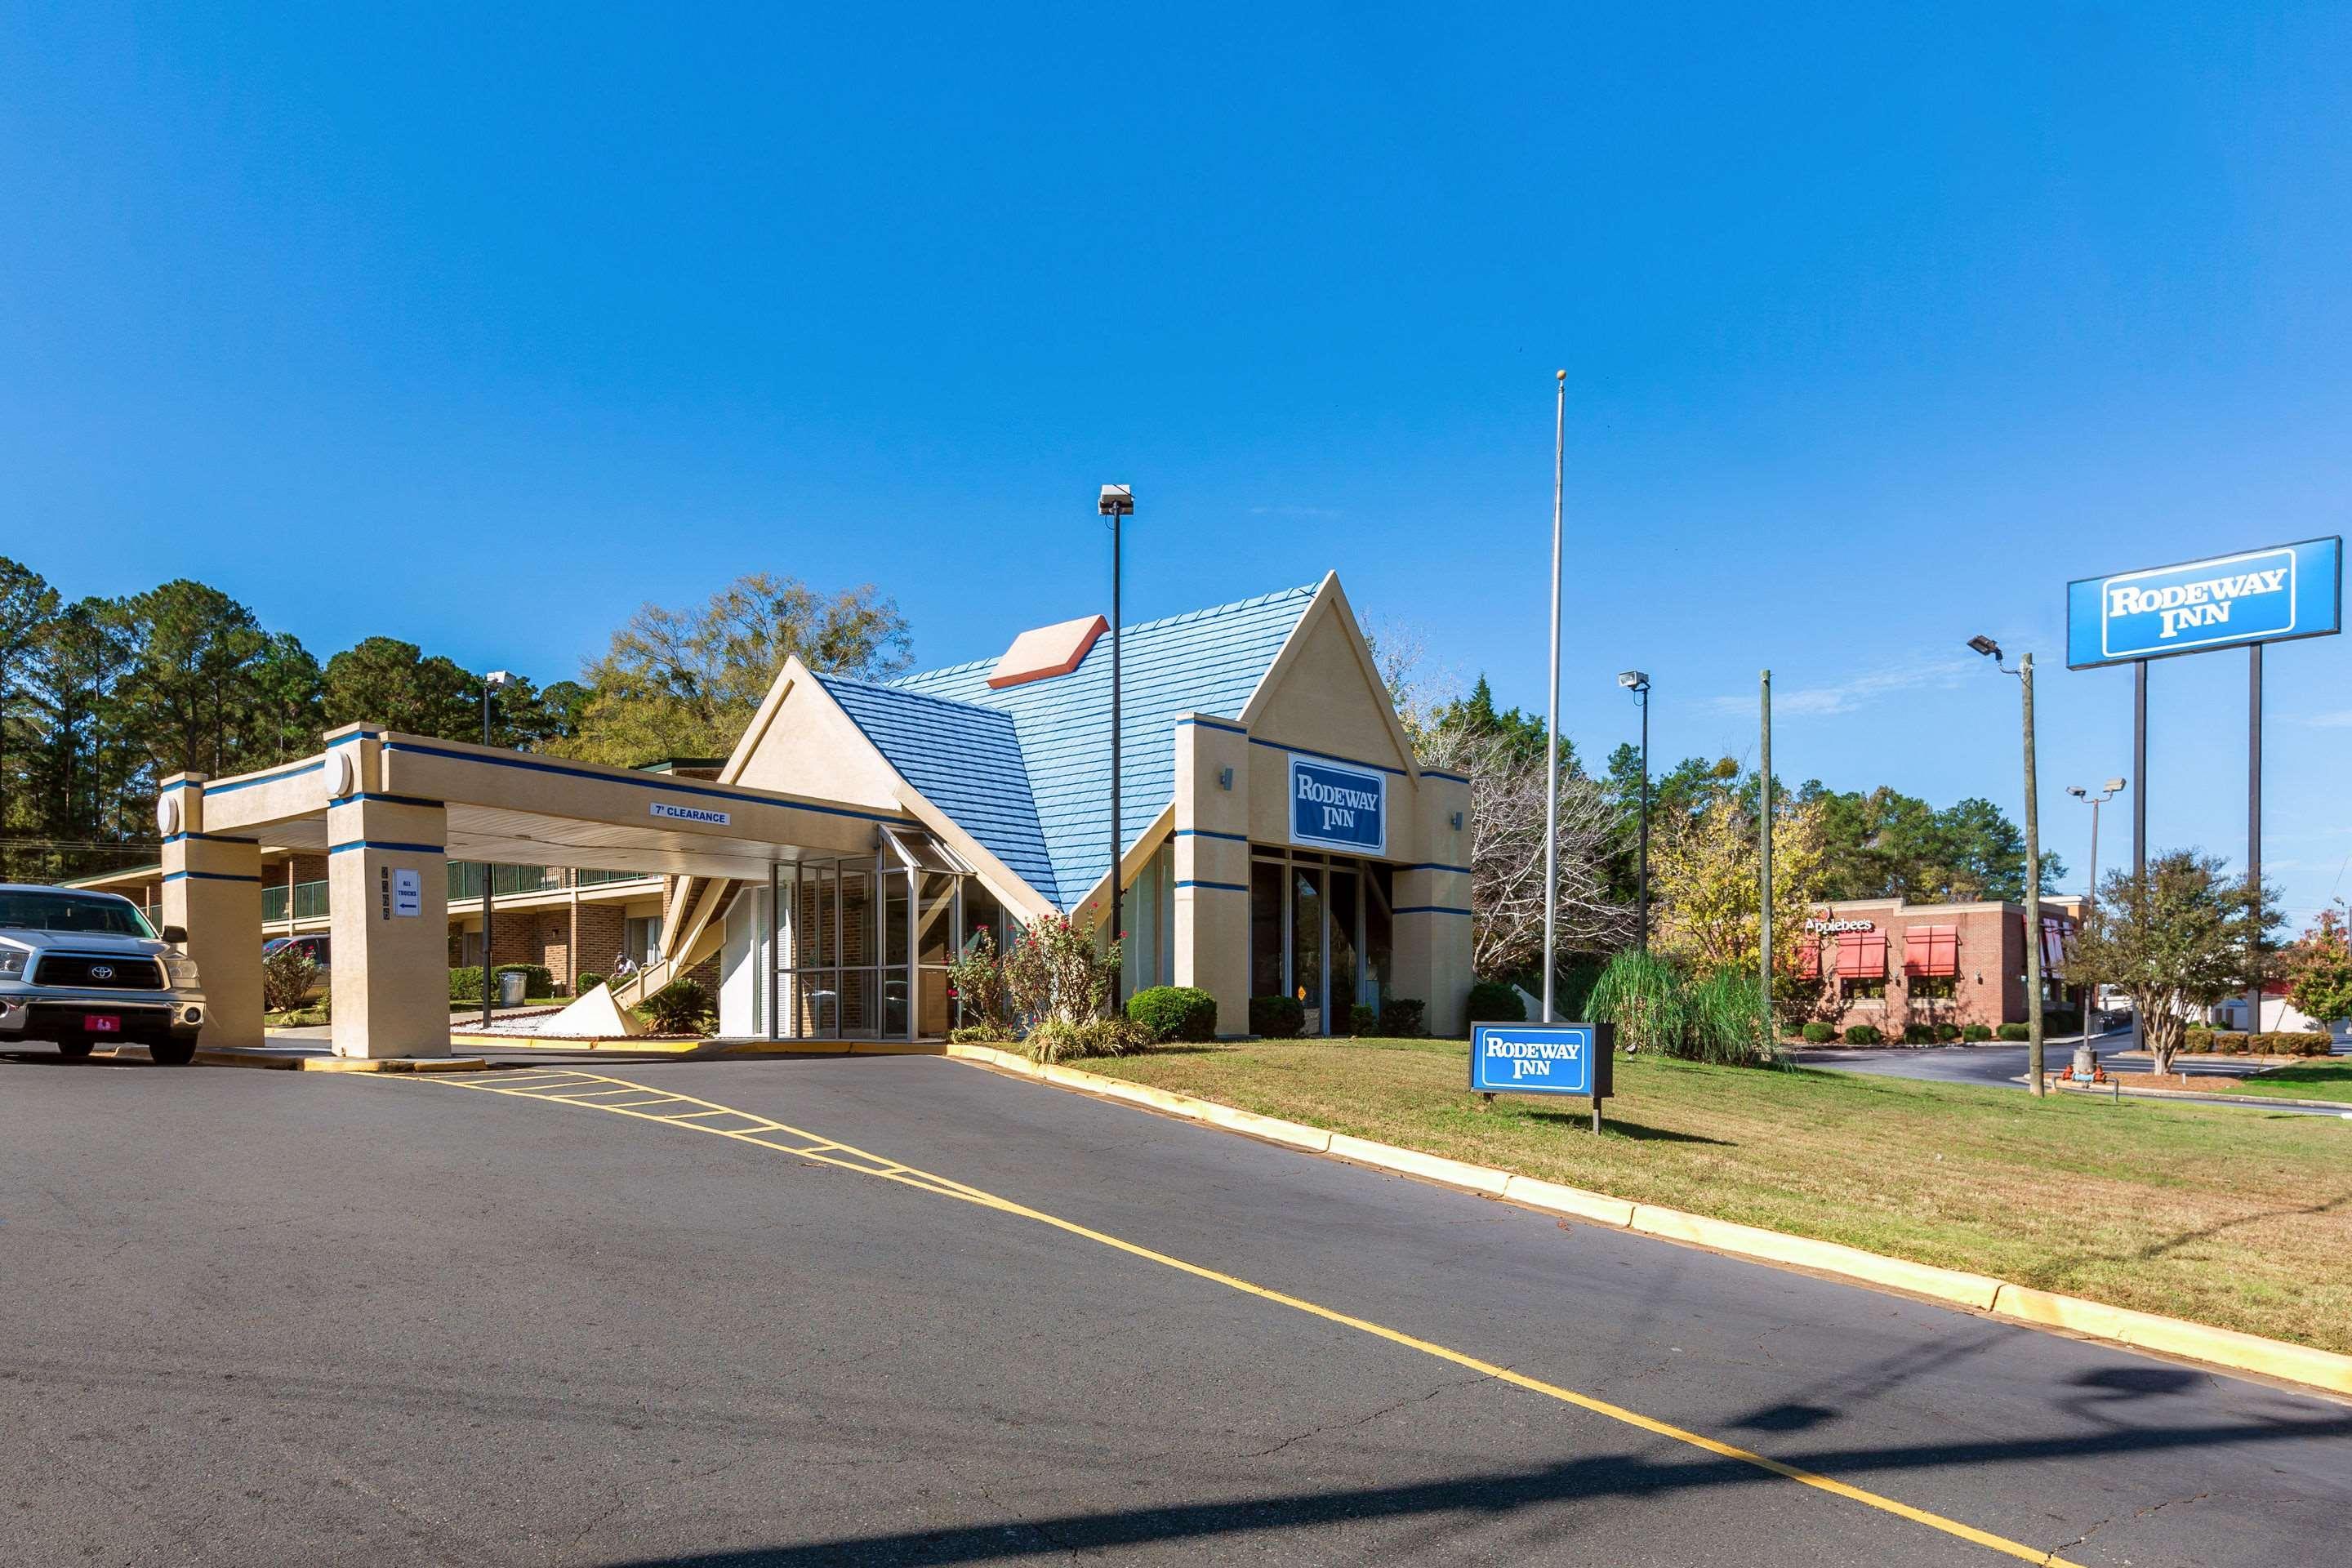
(1990, 988)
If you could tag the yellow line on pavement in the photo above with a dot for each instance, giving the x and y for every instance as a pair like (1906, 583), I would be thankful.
(846, 1157)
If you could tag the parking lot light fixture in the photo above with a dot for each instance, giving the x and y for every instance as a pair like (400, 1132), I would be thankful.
(2024, 673)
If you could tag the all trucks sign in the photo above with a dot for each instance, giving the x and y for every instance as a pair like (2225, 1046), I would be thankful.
(1333, 806)
(2230, 600)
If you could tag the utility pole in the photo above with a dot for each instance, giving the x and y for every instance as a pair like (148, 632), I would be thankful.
(1764, 860)
(1551, 720)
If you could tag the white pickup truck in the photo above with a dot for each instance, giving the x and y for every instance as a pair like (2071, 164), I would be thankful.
(84, 969)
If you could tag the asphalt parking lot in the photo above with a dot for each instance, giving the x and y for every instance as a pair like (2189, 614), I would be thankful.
(882, 1309)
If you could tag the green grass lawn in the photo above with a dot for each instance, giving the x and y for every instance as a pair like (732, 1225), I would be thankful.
(2318, 1080)
(2233, 1217)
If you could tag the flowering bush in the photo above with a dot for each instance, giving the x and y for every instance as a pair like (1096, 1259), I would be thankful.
(1054, 972)
(977, 980)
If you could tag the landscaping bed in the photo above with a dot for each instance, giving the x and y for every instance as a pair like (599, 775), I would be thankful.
(2230, 1217)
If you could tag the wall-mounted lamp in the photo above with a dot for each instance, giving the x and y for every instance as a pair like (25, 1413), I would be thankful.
(1458, 821)
(1224, 778)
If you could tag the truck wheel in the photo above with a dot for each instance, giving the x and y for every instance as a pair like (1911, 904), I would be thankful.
(172, 1053)
(73, 1050)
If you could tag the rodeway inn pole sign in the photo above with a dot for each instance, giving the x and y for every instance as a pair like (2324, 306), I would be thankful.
(2262, 596)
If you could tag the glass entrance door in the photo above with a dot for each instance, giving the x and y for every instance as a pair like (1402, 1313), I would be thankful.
(1306, 948)
(1319, 933)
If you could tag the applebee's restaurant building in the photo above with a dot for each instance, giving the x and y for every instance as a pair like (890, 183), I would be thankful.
(1890, 963)
(1276, 836)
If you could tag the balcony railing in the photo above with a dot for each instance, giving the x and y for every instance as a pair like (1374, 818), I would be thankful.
(510, 881)
(309, 900)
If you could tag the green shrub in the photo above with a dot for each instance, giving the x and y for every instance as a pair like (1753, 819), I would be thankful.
(976, 980)
(2291, 1043)
(680, 1007)
(976, 1035)
(1174, 1012)
(1819, 1034)
(587, 980)
(2231, 1042)
(1363, 1020)
(287, 976)
(1402, 1019)
(1918, 1034)
(1977, 1032)
(1643, 995)
(1863, 1035)
(1059, 1040)
(466, 985)
(1496, 1002)
(1276, 1017)
(1726, 1014)
(1948, 1033)
(2014, 1032)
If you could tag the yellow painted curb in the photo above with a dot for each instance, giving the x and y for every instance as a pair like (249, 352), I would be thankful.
(2176, 1336)
(1003, 1061)
(1453, 1172)
(1975, 1291)
(636, 1045)
(1597, 1206)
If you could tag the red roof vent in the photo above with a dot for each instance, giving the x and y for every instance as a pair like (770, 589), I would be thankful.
(1046, 652)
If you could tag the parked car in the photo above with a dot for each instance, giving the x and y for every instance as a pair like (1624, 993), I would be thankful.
(80, 968)
(319, 944)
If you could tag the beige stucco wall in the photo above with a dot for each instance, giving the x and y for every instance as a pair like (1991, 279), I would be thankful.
(391, 970)
(1212, 894)
(212, 887)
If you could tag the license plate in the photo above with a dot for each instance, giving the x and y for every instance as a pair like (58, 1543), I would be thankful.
(100, 1024)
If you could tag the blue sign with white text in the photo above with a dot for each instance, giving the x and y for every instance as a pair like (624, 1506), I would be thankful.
(1542, 1059)
(2261, 595)
(1338, 807)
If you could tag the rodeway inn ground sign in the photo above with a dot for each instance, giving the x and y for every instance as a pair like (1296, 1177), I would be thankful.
(1540, 1059)
(2261, 595)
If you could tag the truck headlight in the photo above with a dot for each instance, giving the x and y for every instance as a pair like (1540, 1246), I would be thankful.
(183, 972)
(11, 962)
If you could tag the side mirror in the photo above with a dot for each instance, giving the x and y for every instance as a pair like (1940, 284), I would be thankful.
(176, 935)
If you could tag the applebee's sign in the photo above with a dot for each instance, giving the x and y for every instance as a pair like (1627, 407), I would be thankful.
(1824, 924)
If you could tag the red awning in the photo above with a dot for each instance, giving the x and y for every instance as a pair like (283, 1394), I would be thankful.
(1931, 950)
(1860, 955)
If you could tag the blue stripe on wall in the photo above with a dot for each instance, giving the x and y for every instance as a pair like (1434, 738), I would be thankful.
(1206, 833)
(1224, 888)
(384, 799)
(380, 843)
(1434, 865)
(1213, 724)
(1428, 910)
(206, 877)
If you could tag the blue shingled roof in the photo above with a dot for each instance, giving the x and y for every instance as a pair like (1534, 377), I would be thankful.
(1026, 771)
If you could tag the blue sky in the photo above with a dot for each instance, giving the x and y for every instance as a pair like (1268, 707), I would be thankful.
(1879, 327)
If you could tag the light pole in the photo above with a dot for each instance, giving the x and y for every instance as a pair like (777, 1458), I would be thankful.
(2024, 673)
(1634, 681)
(491, 683)
(1117, 502)
(1552, 713)
(2113, 788)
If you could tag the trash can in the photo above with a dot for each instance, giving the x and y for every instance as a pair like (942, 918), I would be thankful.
(510, 987)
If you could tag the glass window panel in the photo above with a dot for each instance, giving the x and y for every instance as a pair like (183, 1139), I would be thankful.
(1306, 939)
(1265, 929)
(935, 919)
(1380, 932)
(894, 918)
(935, 1009)
(861, 1013)
(857, 913)
(1344, 968)
(981, 914)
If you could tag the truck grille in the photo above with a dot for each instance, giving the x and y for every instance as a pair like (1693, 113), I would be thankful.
(99, 974)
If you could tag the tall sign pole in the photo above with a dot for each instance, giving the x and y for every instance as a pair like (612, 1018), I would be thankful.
(2139, 811)
(1551, 718)
(2255, 814)
(2032, 892)
(1764, 859)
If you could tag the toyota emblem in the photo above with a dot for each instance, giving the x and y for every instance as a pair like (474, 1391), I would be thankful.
(101, 971)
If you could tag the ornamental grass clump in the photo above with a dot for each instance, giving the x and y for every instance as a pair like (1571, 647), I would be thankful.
(1643, 994)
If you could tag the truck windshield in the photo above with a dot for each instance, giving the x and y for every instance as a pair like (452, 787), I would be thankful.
(24, 909)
